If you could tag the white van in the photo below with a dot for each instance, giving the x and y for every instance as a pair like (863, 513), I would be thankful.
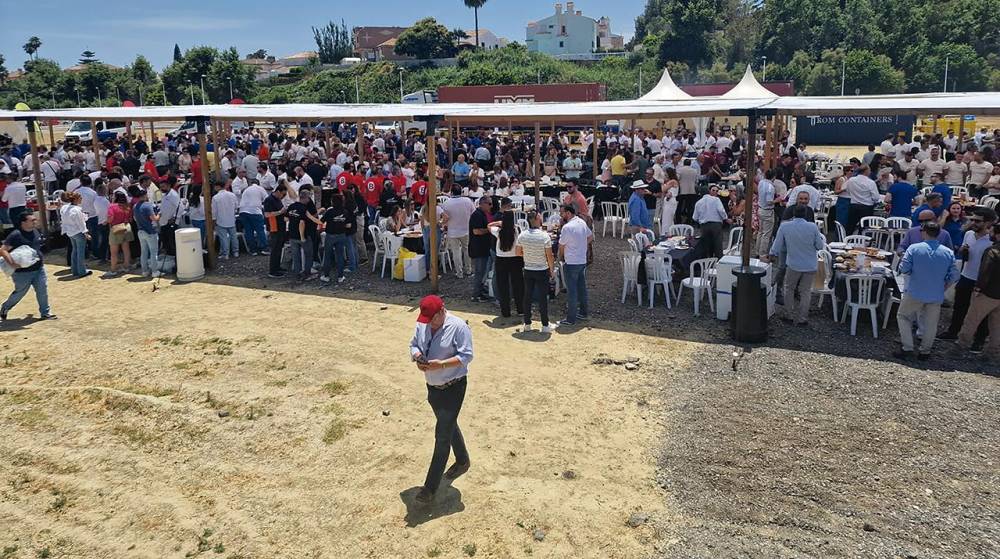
(80, 130)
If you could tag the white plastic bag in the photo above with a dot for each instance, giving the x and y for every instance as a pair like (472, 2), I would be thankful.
(24, 255)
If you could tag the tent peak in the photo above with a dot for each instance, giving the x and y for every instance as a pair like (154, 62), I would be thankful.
(665, 90)
(749, 88)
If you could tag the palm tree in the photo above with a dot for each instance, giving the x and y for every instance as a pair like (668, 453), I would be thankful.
(32, 46)
(475, 5)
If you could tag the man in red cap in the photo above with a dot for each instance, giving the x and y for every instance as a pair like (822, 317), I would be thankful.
(442, 349)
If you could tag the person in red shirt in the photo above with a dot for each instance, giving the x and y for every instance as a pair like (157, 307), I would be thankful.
(150, 169)
(398, 182)
(346, 178)
(418, 192)
(196, 170)
(371, 191)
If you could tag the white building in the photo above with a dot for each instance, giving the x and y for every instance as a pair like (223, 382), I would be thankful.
(570, 32)
(487, 39)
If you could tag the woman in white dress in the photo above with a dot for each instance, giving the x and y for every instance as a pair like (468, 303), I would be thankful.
(668, 201)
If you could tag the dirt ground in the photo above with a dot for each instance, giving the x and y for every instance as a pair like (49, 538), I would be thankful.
(235, 422)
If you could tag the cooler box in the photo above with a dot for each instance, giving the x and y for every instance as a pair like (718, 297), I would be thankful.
(725, 284)
(414, 269)
(190, 262)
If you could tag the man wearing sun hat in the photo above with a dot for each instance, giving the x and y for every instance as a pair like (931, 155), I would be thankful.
(638, 213)
(442, 348)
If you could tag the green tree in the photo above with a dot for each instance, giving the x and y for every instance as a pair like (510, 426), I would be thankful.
(259, 54)
(682, 26)
(872, 73)
(88, 57)
(32, 46)
(177, 53)
(142, 71)
(427, 39)
(4, 74)
(475, 5)
(333, 42)
(924, 66)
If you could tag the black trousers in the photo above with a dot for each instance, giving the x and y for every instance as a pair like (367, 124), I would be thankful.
(711, 235)
(855, 214)
(536, 289)
(168, 240)
(685, 207)
(963, 298)
(446, 404)
(276, 241)
(508, 271)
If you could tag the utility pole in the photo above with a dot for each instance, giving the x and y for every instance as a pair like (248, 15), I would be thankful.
(764, 77)
(203, 89)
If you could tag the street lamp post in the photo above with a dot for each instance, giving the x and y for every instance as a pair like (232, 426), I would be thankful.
(79, 101)
(53, 91)
(640, 81)
(191, 91)
(843, 75)
(947, 59)
(140, 95)
(357, 90)
(764, 76)
(231, 96)
(400, 84)
(203, 89)
(118, 95)
(163, 86)
(98, 96)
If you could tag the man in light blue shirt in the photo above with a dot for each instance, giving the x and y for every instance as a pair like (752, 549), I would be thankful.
(460, 169)
(931, 270)
(442, 349)
(800, 240)
(638, 213)
(765, 213)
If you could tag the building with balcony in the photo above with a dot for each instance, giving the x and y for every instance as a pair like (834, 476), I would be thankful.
(570, 32)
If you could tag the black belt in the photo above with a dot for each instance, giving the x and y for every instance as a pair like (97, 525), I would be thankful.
(448, 384)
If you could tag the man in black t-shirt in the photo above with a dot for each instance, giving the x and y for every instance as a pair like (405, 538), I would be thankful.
(388, 200)
(32, 276)
(480, 245)
(302, 223)
(277, 228)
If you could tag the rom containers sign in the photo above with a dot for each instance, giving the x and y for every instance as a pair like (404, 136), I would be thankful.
(851, 130)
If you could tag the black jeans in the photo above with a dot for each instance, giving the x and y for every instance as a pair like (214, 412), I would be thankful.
(536, 289)
(508, 271)
(685, 208)
(963, 298)
(711, 235)
(446, 404)
(854, 215)
(276, 242)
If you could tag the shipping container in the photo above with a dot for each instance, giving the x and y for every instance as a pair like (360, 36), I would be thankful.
(850, 130)
(540, 93)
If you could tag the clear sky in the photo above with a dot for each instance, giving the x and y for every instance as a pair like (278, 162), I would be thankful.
(118, 30)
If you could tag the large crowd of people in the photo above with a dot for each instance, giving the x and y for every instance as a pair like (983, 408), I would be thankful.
(314, 200)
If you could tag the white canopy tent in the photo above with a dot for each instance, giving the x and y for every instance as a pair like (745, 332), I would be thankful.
(665, 90)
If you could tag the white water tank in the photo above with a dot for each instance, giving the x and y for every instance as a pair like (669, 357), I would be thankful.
(190, 262)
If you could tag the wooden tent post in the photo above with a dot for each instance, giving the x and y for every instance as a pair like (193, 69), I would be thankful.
(128, 134)
(359, 145)
(451, 146)
(216, 141)
(538, 181)
(206, 190)
(768, 142)
(52, 135)
(152, 132)
(751, 186)
(40, 193)
(432, 191)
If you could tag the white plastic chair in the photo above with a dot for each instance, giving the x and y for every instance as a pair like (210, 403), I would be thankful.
(898, 223)
(990, 202)
(735, 238)
(659, 271)
(522, 224)
(632, 245)
(959, 192)
(883, 239)
(873, 222)
(862, 294)
(858, 240)
(630, 274)
(379, 247)
(826, 290)
(590, 205)
(391, 244)
(680, 229)
(841, 232)
(613, 214)
(700, 282)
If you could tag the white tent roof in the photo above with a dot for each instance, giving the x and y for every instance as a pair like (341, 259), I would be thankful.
(981, 103)
(749, 88)
(665, 90)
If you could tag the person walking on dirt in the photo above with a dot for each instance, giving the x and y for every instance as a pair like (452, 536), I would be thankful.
(442, 348)
(31, 276)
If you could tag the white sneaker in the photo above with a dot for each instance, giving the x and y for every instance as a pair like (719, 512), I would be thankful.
(546, 329)
(156, 274)
(341, 279)
(527, 328)
(324, 279)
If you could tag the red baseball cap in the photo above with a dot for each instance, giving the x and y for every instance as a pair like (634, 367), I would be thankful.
(429, 306)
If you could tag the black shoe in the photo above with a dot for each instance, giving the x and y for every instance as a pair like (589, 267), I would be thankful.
(276, 275)
(976, 349)
(3, 315)
(902, 354)
(923, 357)
(947, 336)
(456, 470)
(424, 497)
(48, 317)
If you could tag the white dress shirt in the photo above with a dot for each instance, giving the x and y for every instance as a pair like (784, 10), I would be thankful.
(862, 190)
(224, 205)
(170, 207)
(709, 209)
(252, 201)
